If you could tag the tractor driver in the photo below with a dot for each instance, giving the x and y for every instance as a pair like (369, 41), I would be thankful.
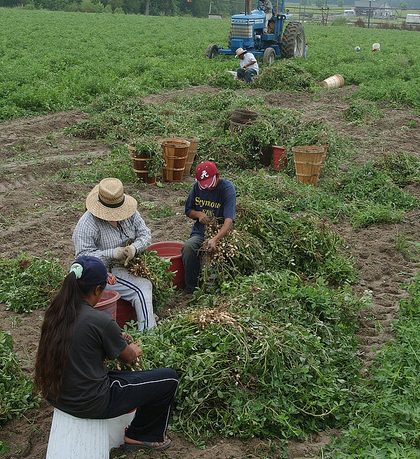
(267, 7)
(248, 65)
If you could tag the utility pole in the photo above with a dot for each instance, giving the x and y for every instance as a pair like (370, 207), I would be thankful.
(369, 12)
(325, 10)
(248, 6)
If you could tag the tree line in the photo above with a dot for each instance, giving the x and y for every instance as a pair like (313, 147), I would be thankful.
(197, 8)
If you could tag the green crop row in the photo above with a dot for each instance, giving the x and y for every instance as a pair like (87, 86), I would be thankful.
(385, 422)
(271, 356)
(28, 283)
(55, 60)
(16, 389)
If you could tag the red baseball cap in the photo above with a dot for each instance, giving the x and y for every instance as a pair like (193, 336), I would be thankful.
(206, 174)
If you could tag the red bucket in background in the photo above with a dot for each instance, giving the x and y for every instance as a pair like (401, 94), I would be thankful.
(108, 303)
(279, 158)
(171, 250)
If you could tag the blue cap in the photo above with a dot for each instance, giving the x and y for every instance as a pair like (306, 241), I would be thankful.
(90, 270)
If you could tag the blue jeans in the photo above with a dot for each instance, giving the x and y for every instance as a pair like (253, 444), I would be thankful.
(191, 261)
(151, 393)
(246, 75)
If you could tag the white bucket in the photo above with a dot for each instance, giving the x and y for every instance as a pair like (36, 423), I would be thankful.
(335, 81)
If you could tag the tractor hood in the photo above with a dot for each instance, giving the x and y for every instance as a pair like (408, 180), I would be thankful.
(255, 17)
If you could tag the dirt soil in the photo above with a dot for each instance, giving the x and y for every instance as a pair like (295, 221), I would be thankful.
(39, 209)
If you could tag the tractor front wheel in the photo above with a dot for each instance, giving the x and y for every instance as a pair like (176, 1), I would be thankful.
(269, 56)
(293, 40)
(212, 51)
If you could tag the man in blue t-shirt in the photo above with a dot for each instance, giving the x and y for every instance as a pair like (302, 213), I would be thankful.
(210, 194)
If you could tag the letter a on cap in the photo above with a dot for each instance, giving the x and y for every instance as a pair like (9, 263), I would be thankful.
(205, 174)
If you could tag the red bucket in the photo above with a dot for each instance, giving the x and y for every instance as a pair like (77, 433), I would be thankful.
(171, 250)
(279, 158)
(125, 312)
(108, 302)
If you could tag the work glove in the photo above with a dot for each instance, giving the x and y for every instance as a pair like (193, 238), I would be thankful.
(129, 253)
(119, 253)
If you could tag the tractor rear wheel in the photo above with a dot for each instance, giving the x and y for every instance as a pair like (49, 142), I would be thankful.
(269, 56)
(212, 51)
(293, 40)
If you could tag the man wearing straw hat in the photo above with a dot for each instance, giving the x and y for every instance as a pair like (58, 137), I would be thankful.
(213, 195)
(248, 65)
(112, 229)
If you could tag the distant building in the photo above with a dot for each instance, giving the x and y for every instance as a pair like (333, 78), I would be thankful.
(379, 9)
(349, 13)
(413, 19)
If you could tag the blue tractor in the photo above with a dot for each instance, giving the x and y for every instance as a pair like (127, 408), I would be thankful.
(262, 34)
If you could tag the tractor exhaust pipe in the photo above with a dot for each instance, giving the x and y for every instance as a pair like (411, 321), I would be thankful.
(248, 6)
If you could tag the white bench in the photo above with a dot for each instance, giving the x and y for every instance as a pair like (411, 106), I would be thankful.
(76, 438)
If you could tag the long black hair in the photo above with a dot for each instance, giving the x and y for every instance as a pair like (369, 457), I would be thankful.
(56, 334)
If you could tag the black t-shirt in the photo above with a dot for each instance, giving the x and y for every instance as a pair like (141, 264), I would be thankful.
(85, 390)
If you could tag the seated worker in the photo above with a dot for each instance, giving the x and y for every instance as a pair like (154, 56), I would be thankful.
(267, 7)
(248, 65)
(214, 195)
(70, 372)
(113, 230)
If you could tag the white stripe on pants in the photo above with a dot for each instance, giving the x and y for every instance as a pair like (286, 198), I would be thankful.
(138, 291)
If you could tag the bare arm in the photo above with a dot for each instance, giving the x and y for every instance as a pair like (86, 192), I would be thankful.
(224, 229)
(198, 215)
(130, 353)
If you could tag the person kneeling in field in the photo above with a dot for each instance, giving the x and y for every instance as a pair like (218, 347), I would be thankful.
(113, 230)
(70, 372)
(248, 65)
(211, 195)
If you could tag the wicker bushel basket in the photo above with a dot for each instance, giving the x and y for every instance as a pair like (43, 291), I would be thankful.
(240, 118)
(140, 166)
(175, 153)
(308, 162)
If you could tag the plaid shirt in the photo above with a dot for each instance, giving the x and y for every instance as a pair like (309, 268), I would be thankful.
(98, 238)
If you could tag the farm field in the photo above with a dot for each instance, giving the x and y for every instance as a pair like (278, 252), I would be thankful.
(313, 296)
(59, 61)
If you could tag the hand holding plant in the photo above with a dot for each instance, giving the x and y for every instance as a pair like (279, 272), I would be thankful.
(129, 253)
(212, 244)
(150, 266)
(203, 218)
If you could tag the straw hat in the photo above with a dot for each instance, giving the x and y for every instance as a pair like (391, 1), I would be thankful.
(240, 51)
(107, 201)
